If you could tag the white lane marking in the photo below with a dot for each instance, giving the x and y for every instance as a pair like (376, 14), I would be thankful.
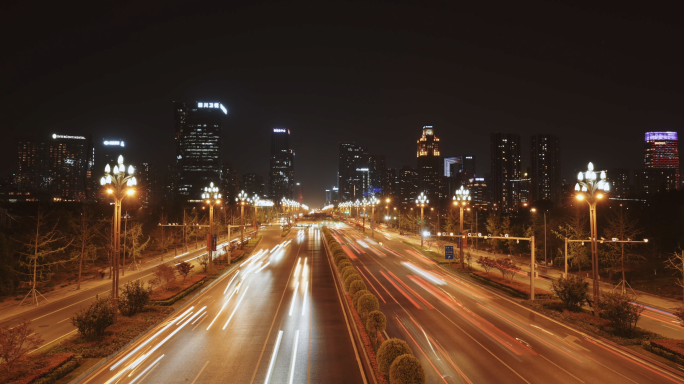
(559, 367)
(294, 356)
(154, 364)
(306, 286)
(61, 321)
(273, 358)
(200, 372)
(294, 297)
(48, 343)
(236, 307)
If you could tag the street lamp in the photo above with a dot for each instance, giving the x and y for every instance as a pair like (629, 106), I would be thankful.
(357, 204)
(591, 190)
(118, 184)
(212, 197)
(242, 199)
(461, 199)
(534, 210)
(373, 201)
(255, 201)
(364, 204)
(422, 202)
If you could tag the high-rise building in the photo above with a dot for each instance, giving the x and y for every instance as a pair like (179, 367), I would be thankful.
(408, 186)
(331, 196)
(198, 132)
(376, 176)
(546, 169)
(429, 164)
(351, 158)
(619, 182)
(150, 184)
(281, 175)
(662, 152)
(478, 192)
(649, 181)
(458, 164)
(505, 167)
(230, 181)
(253, 184)
(392, 183)
(59, 165)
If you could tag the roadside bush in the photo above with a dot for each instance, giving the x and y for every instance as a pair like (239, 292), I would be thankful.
(133, 297)
(389, 351)
(346, 272)
(356, 296)
(339, 258)
(508, 268)
(343, 264)
(92, 322)
(184, 268)
(350, 279)
(572, 291)
(486, 263)
(623, 316)
(15, 342)
(356, 286)
(406, 369)
(377, 322)
(164, 275)
(367, 304)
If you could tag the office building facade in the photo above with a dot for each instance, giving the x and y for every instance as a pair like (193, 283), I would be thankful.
(545, 169)
(198, 135)
(662, 152)
(349, 180)
(505, 167)
(619, 182)
(253, 184)
(408, 186)
(429, 164)
(281, 174)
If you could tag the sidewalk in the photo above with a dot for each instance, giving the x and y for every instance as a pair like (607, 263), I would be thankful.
(546, 274)
(10, 308)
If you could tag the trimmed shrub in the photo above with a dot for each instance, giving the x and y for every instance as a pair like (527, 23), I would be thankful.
(406, 369)
(343, 264)
(367, 304)
(339, 258)
(133, 297)
(572, 291)
(377, 322)
(347, 271)
(389, 351)
(356, 286)
(356, 296)
(92, 322)
(616, 308)
(351, 278)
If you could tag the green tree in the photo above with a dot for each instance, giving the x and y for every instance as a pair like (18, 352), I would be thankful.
(572, 291)
(184, 269)
(91, 322)
(406, 369)
(389, 351)
(133, 297)
(85, 229)
(617, 308)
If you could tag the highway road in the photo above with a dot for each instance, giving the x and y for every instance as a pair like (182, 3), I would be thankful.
(52, 320)
(275, 317)
(464, 332)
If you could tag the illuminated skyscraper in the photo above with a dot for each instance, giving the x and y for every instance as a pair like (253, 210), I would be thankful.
(198, 147)
(662, 152)
(349, 181)
(281, 175)
(505, 165)
(253, 184)
(546, 169)
(429, 164)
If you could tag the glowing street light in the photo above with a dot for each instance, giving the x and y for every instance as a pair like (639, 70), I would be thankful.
(461, 198)
(422, 201)
(591, 189)
(255, 202)
(373, 201)
(242, 199)
(212, 197)
(119, 183)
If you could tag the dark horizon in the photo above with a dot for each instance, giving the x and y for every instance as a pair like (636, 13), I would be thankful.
(373, 73)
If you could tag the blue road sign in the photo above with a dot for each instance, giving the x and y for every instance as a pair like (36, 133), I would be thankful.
(448, 252)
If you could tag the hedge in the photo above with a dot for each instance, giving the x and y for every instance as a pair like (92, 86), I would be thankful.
(356, 286)
(356, 296)
(179, 295)
(60, 371)
(389, 351)
(406, 369)
(30, 368)
(351, 278)
(367, 304)
(343, 264)
(346, 272)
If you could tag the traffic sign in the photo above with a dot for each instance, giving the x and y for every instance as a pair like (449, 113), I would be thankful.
(448, 252)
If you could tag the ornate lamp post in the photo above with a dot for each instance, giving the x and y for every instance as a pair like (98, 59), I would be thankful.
(255, 201)
(461, 199)
(118, 184)
(242, 199)
(357, 204)
(592, 190)
(422, 201)
(364, 204)
(373, 201)
(212, 197)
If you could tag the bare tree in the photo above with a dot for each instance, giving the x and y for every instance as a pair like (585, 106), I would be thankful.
(676, 262)
(17, 341)
(621, 227)
(85, 230)
(135, 242)
(39, 251)
(575, 229)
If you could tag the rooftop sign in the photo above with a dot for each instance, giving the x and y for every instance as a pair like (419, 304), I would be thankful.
(212, 105)
(661, 136)
(56, 136)
(114, 142)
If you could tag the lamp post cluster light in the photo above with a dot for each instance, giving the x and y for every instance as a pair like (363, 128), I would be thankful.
(422, 201)
(212, 197)
(461, 199)
(242, 199)
(119, 183)
(591, 189)
(289, 204)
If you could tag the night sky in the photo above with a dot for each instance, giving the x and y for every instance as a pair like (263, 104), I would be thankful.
(369, 72)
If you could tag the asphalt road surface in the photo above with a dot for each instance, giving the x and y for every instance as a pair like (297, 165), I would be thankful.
(464, 332)
(274, 318)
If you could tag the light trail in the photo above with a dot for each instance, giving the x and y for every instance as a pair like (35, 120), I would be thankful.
(294, 356)
(147, 369)
(231, 280)
(193, 323)
(262, 267)
(423, 273)
(273, 357)
(297, 269)
(294, 298)
(236, 307)
(306, 286)
(147, 341)
(183, 318)
(222, 308)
